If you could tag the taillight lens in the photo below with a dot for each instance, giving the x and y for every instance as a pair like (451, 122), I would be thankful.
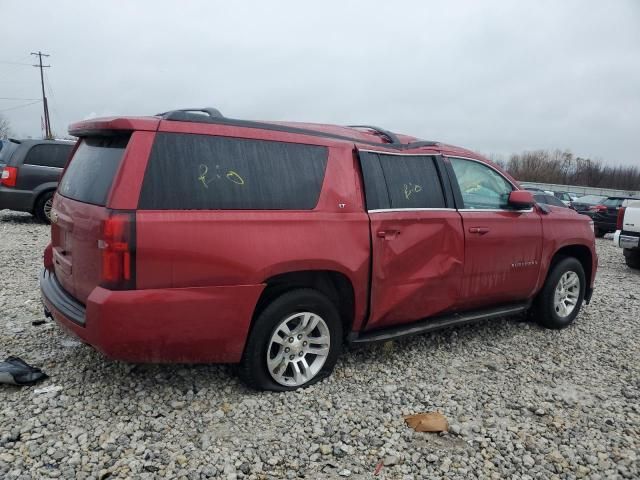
(598, 208)
(9, 176)
(47, 258)
(620, 218)
(118, 251)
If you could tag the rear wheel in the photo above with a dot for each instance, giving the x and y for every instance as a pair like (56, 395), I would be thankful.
(632, 257)
(560, 299)
(599, 233)
(294, 343)
(42, 210)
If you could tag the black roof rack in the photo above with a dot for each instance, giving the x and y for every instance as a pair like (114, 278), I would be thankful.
(213, 115)
(385, 133)
(190, 114)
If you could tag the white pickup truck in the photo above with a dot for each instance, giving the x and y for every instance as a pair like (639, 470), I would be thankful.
(627, 234)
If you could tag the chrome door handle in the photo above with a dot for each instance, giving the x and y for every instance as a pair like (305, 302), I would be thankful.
(480, 230)
(388, 234)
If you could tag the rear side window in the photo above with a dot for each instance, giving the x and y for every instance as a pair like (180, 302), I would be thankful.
(48, 155)
(612, 202)
(203, 172)
(401, 181)
(90, 173)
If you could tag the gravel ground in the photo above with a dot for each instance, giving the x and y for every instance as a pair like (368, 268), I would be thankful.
(522, 402)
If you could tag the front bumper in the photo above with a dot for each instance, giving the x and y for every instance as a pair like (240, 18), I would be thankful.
(625, 241)
(186, 325)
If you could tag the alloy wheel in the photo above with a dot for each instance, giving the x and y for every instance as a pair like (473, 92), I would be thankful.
(298, 349)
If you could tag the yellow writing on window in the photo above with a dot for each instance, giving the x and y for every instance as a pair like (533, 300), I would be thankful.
(410, 188)
(205, 178)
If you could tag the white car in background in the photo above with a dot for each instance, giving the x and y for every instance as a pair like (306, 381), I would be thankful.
(627, 234)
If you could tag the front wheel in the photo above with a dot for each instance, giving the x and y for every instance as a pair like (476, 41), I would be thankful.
(560, 299)
(294, 343)
(632, 257)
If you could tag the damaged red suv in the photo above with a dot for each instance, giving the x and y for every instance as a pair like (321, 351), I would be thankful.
(193, 237)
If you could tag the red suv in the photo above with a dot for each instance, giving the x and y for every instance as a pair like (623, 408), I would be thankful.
(193, 237)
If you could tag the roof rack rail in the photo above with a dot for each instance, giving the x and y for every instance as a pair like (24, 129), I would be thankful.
(190, 114)
(213, 115)
(385, 133)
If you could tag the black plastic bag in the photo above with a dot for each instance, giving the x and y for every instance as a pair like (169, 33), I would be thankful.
(16, 371)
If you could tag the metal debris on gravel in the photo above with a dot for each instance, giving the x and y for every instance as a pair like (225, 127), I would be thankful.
(522, 402)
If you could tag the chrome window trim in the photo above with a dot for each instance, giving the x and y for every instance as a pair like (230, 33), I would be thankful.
(401, 154)
(529, 210)
(385, 210)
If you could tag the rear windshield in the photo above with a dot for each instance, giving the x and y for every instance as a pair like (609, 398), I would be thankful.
(91, 171)
(7, 148)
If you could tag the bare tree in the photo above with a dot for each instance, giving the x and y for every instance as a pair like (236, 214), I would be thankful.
(5, 127)
(562, 167)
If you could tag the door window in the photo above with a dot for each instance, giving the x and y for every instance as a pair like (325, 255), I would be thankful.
(481, 186)
(401, 181)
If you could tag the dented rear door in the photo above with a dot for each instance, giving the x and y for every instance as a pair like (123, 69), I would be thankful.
(417, 238)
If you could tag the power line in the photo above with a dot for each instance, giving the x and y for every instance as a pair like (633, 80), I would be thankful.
(16, 98)
(20, 106)
(6, 62)
(18, 61)
(47, 123)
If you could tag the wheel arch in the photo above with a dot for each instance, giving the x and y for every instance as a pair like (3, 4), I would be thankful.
(584, 255)
(335, 285)
(40, 191)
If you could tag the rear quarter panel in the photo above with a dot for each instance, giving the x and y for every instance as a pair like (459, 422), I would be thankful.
(198, 248)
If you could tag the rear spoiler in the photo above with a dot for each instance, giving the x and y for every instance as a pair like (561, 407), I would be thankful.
(113, 125)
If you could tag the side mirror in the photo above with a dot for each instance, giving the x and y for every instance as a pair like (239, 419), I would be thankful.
(521, 199)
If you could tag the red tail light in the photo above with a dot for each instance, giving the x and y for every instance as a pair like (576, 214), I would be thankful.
(9, 176)
(48, 257)
(619, 223)
(598, 208)
(118, 251)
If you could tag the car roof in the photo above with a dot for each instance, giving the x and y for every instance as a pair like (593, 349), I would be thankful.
(365, 137)
(40, 141)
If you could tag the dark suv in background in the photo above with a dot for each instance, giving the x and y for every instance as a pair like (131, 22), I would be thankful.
(605, 214)
(30, 170)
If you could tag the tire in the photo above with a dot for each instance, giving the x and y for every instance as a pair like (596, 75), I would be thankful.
(546, 310)
(631, 257)
(43, 207)
(292, 309)
(598, 232)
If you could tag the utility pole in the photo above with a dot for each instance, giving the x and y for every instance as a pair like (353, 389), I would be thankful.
(47, 123)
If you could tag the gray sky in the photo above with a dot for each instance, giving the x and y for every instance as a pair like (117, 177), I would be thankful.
(494, 76)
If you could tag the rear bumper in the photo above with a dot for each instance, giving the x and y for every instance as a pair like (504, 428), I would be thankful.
(13, 199)
(190, 325)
